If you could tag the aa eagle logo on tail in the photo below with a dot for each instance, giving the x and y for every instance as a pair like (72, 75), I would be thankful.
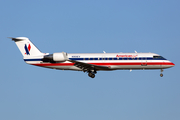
(27, 49)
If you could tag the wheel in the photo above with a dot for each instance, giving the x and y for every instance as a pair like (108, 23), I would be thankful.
(161, 75)
(91, 75)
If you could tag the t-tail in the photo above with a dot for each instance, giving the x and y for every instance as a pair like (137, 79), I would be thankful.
(26, 47)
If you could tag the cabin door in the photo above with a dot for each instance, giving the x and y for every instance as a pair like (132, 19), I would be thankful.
(144, 61)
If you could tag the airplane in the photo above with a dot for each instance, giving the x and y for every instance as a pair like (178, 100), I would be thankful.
(90, 62)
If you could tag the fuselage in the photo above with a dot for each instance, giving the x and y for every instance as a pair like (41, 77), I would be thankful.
(114, 61)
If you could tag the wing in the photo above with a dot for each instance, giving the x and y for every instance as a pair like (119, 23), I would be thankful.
(88, 67)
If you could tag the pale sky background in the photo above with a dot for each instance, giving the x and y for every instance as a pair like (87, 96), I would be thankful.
(89, 26)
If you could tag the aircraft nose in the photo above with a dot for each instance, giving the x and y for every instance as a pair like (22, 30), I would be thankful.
(172, 64)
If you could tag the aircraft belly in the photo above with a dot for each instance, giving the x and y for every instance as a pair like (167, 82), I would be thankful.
(64, 67)
(112, 65)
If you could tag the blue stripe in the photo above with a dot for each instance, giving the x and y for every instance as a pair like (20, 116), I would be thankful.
(76, 58)
(27, 51)
(32, 59)
(142, 58)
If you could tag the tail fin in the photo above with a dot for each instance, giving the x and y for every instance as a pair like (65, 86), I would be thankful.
(26, 47)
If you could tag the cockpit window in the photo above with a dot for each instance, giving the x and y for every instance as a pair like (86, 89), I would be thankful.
(158, 57)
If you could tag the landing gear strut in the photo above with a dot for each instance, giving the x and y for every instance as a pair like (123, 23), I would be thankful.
(161, 73)
(91, 71)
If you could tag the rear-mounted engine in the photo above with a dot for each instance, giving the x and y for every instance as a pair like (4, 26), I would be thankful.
(57, 57)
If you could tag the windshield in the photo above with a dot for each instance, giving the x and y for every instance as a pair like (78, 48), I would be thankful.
(158, 58)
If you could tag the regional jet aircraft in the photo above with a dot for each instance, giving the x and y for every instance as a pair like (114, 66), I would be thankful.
(90, 62)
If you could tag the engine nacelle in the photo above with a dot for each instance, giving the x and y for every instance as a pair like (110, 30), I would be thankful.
(57, 57)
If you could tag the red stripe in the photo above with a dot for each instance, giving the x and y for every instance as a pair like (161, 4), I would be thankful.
(164, 63)
(29, 47)
(104, 64)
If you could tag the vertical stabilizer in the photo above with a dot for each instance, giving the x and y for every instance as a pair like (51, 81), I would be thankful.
(26, 47)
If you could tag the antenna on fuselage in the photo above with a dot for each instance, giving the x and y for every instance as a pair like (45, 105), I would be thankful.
(135, 51)
(104, 52)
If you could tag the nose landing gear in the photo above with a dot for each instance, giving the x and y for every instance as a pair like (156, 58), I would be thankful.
(161, 73)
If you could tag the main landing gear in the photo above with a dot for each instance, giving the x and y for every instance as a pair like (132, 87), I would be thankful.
(161, 73)
(91, 73)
